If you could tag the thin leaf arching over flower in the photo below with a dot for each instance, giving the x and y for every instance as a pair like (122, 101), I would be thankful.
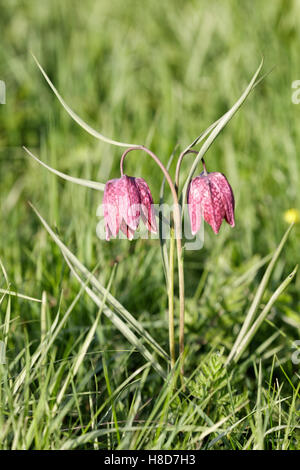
(74, 116)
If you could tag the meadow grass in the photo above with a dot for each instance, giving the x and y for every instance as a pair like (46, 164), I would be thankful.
(84, 364)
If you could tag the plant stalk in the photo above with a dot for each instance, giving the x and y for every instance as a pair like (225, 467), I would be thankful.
(171, 297)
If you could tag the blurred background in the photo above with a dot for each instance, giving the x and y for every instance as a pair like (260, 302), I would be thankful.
(154, 73)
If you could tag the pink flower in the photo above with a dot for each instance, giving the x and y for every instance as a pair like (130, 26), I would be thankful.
(125, 200)
(210, 196)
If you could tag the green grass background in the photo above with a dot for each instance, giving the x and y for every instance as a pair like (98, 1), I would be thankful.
(155, 73)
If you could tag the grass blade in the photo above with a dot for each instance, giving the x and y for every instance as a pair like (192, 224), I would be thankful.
(81, 354)
(20, 296)
(259, 293)
(120, 325)
(259, 433)
(39, 355)
(249, 336)
(120, 309)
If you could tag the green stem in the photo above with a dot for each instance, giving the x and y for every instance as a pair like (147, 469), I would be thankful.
(180, 261)
(181, 310)
(171, 298)
(181, 272)
(179, 161)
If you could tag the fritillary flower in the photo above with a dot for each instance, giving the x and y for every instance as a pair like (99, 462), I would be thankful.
(210, 196)
(125, 201)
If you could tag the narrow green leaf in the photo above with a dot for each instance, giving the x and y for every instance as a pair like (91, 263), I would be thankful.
(259, 433)
(80, 181)
(216, 128)
(74, 116)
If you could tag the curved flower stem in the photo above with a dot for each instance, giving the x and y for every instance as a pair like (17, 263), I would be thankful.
(204, 167)
(177, 223)
(180, 158)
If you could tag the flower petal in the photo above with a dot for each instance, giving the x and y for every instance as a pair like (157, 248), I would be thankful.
(129, 201)
(226, 192)
(127, 230)
(213, 207)
(110, 207)
(147, 209)
(194, 204)
(211, 197)
(108, 233)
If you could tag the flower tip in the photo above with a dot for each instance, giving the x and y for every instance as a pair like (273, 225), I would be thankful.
(152, 226)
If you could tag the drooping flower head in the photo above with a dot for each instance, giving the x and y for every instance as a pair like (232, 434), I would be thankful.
(210, 196)
(125, 200)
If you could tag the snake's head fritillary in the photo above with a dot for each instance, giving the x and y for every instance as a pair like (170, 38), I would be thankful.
(210, 196)
(125, 200)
